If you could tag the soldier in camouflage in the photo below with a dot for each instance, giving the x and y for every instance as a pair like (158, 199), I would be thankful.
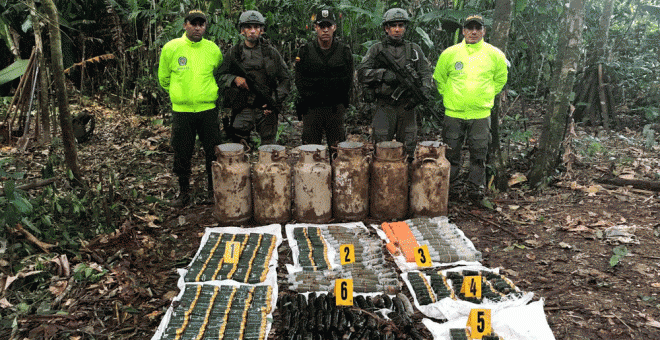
(394, 115)
(264, 65)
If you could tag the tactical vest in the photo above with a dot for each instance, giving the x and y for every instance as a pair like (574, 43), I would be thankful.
(325, 77)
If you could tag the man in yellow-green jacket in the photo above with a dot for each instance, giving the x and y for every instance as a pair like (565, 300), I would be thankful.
(186, 71)
(468, 76)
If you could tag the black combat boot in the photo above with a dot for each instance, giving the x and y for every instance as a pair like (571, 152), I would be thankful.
(184, 193)
(209, 194)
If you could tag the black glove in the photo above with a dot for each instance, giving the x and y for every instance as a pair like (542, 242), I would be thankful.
(389, 77)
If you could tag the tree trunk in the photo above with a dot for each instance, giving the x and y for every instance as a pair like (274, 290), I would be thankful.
(500, 39)
(604, 29)
(44, 110)
(70, 151)
(554, 124)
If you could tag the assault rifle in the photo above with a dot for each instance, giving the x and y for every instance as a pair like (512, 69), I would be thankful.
(260, 91)
(409, 81)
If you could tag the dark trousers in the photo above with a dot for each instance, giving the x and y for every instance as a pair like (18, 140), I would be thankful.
(392, 121)
(185, 127)
(477, 134)
(328, 120)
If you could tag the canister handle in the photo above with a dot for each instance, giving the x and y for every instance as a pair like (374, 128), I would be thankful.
(276, 165)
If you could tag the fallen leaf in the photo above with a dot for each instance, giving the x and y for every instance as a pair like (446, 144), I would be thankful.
(58, 287)
(532, 243)
(655, 285)
(530, 256)
(5, 304)
(154, 314)
(653, 323)
(565, 245)
(170, 295)
(579, 228)
(516, 179)
(592, 190)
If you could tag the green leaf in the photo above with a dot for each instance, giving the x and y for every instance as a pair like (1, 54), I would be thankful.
(13, 71)
(151, 199)
(30, 225)
(425, 37)
(17, 175)
(621, 250)
(22, 205)
(614, 260)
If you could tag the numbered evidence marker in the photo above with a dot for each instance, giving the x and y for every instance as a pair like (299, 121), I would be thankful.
(479, 323)
(347, 253)
(422, 257)
(231, 252)
(471, 286)
(344, 292)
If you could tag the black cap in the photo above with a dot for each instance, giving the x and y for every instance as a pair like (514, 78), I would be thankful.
(195, 14)
(324, 15)
(474, 19)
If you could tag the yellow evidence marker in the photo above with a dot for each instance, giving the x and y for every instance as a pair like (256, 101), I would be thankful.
(479, 323)
(231, 252)
(422, 256)
(347, 253)
(344, 292)
(471, 286)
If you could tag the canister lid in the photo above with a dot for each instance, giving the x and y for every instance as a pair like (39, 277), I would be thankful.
(312, 147)
(272, 148)
(431, 144)
(230, 148)
(350, 145)
(389, 145)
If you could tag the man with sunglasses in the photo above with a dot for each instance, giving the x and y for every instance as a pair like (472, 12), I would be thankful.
(255, 82)
(469, 75)
(324, 76)
(394, 115)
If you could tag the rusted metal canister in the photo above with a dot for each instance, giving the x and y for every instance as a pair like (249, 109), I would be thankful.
(312, 176)
(429, 188)
(271, 184)
(350, 190)
(231, 185)
(389, 182)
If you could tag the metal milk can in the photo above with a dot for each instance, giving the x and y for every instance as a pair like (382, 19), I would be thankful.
(271, 184)
(231, 185)
(350, 190)
(312, 176)
(429, 188)
(389, 182)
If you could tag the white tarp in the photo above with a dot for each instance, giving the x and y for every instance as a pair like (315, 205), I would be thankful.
(524, 322)
(271, 277)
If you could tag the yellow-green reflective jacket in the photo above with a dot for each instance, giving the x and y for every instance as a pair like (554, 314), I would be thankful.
(186, 70)
(468, 77)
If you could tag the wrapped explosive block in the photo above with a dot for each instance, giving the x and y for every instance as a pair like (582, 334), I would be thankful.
(220, 312)
(254, 253)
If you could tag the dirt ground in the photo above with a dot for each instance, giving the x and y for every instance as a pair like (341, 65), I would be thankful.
(556, 242)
